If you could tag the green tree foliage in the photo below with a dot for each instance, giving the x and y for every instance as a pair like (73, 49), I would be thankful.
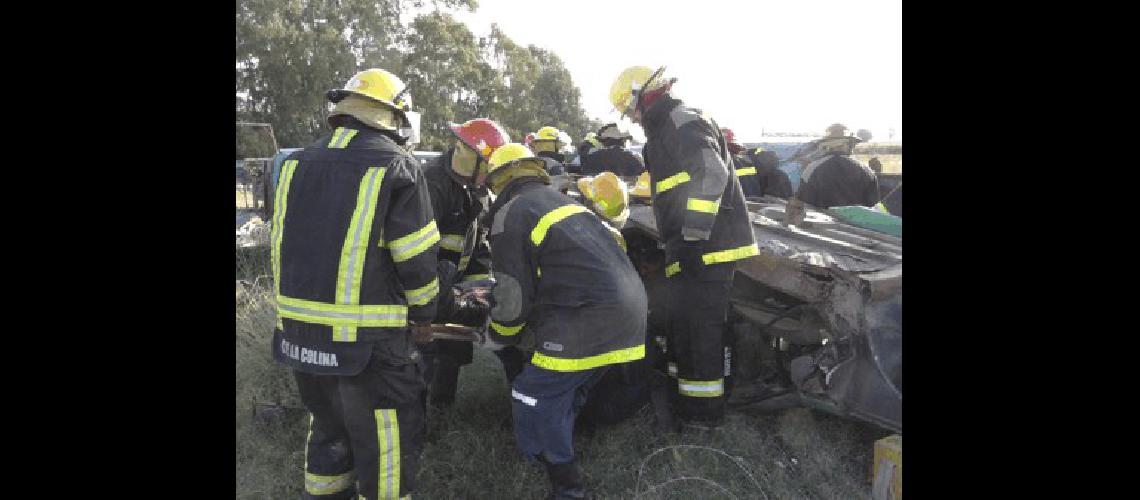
(291, 51)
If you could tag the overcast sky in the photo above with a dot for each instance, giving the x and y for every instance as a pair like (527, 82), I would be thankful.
(779, 66)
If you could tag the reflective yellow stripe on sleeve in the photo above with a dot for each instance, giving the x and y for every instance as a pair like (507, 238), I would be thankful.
(731, 255)
(578, 364)
(741, 172)
(350, 270)
(424, 294)
(388, 442)
(280, 204)
(672, 269)
(414, 244)
(706, 206)
(672, 181)
(475, 277)
(506, 331)
(552, 217)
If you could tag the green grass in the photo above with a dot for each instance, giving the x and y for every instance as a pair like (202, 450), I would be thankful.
(797, 453)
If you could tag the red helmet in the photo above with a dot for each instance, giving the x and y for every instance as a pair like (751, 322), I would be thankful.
(729, 137)
(730, 140)
(481, 134)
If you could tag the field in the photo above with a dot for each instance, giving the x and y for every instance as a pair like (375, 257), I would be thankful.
(796, 453)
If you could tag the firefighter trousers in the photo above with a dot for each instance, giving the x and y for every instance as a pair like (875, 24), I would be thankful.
(698, 310)
(365, 431)
(545, 404)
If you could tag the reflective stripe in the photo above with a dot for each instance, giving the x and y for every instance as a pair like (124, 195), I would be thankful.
(414, 244)
(528, 400)
(452, 242)
(341, 137)
(475, 277)
(327, 485)
(672, 269)
(506, 331)
(424, 294)
(280, 204)
(388, 438)
(342, 314)
(350, 271)
(706, 206)
(463, 261)
(671, 368)
(672, 182)
(700, 388)
(552, 217)
(731, 255)
(741, 172)
(572, 365)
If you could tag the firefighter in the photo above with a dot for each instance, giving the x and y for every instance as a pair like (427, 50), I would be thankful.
(614, 156)
(354, 261)
(457, 206)
(567, 291)
(766, 179)
(832, 178)
(548, 143)
(743, 166)
(704, 224)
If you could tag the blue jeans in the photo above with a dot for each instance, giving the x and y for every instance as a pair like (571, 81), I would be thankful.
(545, 405)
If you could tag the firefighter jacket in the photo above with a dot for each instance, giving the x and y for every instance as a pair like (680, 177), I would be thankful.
(463, 241)
(760, 175)
(353, 249)
(695, 195)
(837, 180)
(622, 162)
(562, 282)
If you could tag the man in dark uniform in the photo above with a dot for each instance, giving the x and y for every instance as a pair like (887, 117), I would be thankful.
(614, 156)
(457, 207)
(548, 143)
(353, 249)
(566, 290)
(768, 179)
(702, 219)
(832, 178)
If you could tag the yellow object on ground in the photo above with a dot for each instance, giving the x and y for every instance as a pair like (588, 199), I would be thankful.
(886, 475)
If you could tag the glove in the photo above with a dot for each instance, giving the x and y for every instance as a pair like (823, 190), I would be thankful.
(689, 253)
(421, 332)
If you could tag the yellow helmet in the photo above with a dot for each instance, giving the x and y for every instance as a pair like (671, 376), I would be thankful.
(499, 172)
(608, 194)
(630, 83)
(547, 133)
(377, 85)
(641, 188)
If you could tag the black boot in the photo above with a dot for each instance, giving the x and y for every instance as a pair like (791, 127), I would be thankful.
(566, 482)
(663, 421)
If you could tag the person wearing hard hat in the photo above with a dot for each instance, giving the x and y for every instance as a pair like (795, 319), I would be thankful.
(564, 290)
(548, 143)
(831, 177)
(463, 251)
(353, 251)
(703, 221)
(744, 168)
(590, 143)
(614, 156)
